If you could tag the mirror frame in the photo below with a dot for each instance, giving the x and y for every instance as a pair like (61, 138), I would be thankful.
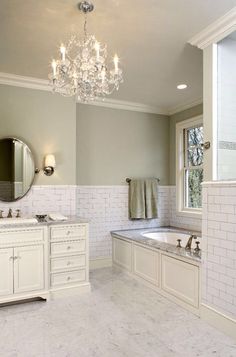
(35, 170)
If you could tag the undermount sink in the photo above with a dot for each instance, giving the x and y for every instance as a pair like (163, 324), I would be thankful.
(13, 221)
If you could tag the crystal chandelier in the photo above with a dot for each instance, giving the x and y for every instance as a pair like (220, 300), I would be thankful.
(82, 69)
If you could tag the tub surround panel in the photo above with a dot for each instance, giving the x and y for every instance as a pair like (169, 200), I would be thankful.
(219, 249)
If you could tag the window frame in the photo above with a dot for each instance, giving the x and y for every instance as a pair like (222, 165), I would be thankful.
(181, 154)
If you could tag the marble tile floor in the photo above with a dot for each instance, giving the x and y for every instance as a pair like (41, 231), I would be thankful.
(120, 318)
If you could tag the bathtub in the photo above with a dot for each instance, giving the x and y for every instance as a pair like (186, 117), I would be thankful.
(167, 237)
(152, 256)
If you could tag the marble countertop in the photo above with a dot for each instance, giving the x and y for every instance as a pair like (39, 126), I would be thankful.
(136, 236)
(47, 222)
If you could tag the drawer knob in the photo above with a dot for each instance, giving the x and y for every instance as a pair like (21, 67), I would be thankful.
(68, 232)
(68, 263)
(68, 247)
(68, 278)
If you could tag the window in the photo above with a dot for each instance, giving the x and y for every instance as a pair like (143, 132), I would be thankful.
(189, 165)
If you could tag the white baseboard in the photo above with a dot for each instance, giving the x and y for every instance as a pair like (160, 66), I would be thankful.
(100, 263)
(219, 320)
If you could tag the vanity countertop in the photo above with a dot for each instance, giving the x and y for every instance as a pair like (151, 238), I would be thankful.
(47, 222)
(136, 236)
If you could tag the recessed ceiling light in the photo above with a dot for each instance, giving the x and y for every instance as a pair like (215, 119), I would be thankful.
(182, 86)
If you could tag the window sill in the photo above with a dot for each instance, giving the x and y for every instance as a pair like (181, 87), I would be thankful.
(190, 214)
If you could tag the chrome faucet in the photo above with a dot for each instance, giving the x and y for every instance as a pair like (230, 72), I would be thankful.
(189, 242)
(9, 213)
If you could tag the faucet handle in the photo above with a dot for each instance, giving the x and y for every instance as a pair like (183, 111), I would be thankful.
(197, 249)
(18, 213)
(1, 212)
(179, 243)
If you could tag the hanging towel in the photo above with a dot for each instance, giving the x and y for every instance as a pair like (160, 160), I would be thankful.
(137, 199)
(143, 199)
(151, 198)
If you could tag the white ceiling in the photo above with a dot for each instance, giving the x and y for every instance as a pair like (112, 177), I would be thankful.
(149, 36)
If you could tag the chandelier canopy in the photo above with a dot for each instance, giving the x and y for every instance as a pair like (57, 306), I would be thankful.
(82, 68)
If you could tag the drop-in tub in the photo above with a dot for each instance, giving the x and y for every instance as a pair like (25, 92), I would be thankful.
(153, 257)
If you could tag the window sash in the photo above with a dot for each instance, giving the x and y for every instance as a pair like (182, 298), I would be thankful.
(183, 164)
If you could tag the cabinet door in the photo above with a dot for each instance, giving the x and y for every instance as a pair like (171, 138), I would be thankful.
(6, 271)
(122, 253)
(28, 268)
(146, 264)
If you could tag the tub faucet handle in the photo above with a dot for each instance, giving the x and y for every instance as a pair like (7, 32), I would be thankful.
(197, 249)
(179, 243)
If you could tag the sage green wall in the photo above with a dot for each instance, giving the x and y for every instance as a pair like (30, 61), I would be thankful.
(175, 118)
(46, 122)
(114, 144)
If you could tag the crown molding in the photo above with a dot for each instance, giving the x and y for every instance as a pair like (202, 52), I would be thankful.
(24, 82)
(43, 84)
(216, 31)
(181, 108)
(132, 106)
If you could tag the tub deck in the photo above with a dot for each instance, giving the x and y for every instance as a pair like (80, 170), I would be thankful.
(137, 235)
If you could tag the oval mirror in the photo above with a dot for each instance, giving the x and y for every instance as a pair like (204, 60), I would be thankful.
(17, 169)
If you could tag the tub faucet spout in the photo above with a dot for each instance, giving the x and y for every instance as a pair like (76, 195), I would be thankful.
(189, 242)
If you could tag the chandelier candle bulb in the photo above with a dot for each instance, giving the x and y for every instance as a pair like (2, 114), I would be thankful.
(63, 52)
(54, 68)
(116, 61)
(97, 49)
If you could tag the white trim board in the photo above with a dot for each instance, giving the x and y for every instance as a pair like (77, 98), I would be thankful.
(215, 32)
(218, 320)
(43, 84)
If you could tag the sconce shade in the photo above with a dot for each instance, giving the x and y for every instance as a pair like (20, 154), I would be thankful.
(50, 161)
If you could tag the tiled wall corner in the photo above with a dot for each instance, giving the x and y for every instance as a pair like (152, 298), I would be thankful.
(106, 207)
(46, 199)
(219, 247)
(178, 220)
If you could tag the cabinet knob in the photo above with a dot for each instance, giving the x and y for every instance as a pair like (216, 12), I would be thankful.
(68, 278)
(11, 258)
(68, 247)
(68, 263)
(68, 232)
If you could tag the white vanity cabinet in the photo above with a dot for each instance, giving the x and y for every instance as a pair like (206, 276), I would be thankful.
(69, 261)
(23, 263)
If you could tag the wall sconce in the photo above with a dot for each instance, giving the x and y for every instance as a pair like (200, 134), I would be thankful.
(49, 164)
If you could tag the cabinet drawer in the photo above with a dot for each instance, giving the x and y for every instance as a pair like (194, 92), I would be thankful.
(68, 232)
(68, 247)
(71, 262)
(21, 236)
(68, 278)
